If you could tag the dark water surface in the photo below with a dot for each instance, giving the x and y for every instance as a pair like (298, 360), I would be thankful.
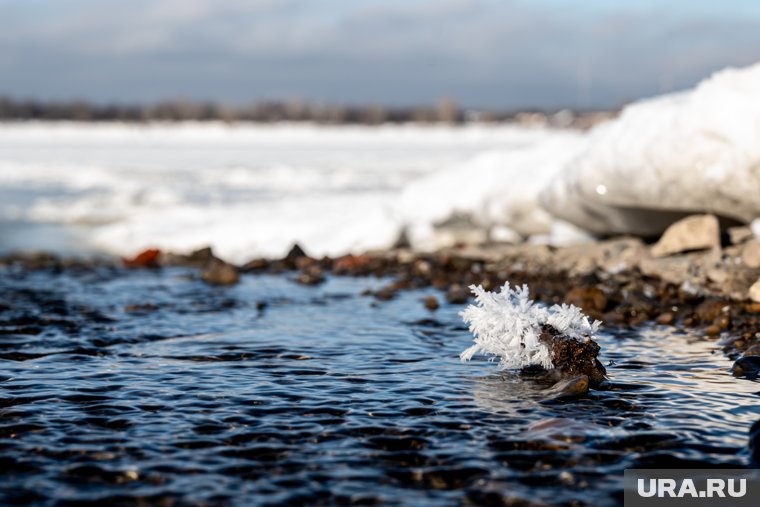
(151, 387)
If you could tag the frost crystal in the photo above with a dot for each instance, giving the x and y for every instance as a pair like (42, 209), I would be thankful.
(508, 325)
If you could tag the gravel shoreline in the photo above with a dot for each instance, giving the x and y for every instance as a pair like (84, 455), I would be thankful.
(618, 281)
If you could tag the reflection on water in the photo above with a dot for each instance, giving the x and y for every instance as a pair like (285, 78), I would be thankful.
(118, 386)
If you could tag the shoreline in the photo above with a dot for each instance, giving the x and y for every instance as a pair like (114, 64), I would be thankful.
(618, 281)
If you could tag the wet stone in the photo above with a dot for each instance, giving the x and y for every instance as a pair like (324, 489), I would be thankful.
(218, 272)
(574, 357)
(458, 294)
(431, 303)
(748, 367)
(568, 388)
(311, 275)
(754, 443)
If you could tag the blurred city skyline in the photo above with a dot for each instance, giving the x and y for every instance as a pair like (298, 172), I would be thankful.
(479, 53)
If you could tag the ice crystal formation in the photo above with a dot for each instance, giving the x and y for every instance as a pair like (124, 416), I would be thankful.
(508, 325)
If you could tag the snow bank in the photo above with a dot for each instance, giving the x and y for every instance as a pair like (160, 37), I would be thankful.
(495, 190)
(695, 151)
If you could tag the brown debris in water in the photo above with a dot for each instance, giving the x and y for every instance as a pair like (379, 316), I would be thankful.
(573, 357)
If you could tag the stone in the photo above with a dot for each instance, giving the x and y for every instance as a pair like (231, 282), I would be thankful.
(748, 367)
(751, 254)
(695, 232)
(568, 388)
(666, 319)
(386, 293)
(431, 303)
(739, 234)
(754, 442)
(145, 259)
(589, 299)
(710, 309)
(196, 259)
(754, 292)
(311, 275)
(255, 265)
(574, 357)
(218, 272)
(296, 252)
(457, 294)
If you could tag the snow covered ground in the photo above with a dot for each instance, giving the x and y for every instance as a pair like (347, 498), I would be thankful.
(254, 190)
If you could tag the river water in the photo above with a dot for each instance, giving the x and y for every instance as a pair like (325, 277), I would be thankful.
(149, 386)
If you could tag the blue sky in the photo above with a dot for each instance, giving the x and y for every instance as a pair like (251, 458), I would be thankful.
(482, 53)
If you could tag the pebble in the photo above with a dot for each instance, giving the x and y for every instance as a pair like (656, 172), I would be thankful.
(255, 265)
(587, 298)
(457, 294)
(311, 275)
(569, 388)
(431, 303)
(754, 292)
(751, 254)
(145, 259)
(218, 272)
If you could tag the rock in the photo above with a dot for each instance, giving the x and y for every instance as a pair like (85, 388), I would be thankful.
(748, 367)
(145, 259)
(255, 265)
(696, 232)
(457, 294)
(386, 293)
(34, 260)
(751, 254)
(218, 272)
(753, 350)
(431, 303)
(571, 387)
(666, 319)
(589, 299)
(311, 275)
(710, 309)
(197, 258)
(350, 264)
(754, 292)
(296, 252)
(754, 442)
(574, 357)
(739, 234)
(141, 308)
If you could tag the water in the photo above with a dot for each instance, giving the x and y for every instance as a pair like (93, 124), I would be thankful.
(153, 387)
